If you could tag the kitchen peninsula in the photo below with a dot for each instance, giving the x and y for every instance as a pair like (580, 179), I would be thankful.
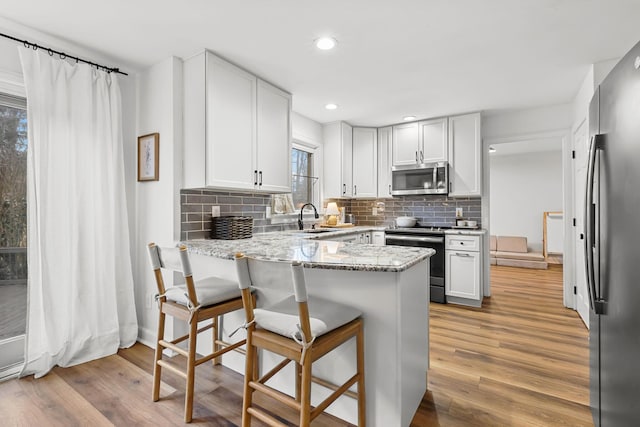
(390, 285)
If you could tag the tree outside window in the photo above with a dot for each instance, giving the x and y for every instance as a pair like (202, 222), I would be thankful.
(302, 179)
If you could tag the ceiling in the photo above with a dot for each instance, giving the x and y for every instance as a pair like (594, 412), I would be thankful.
(394, 58)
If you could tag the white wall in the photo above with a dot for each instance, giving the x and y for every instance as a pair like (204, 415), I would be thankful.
(500, 124)
(534, 124)
(522, 188)
(158, 202)
(305, 129)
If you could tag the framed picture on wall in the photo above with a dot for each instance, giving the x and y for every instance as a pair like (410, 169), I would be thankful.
(148, 153)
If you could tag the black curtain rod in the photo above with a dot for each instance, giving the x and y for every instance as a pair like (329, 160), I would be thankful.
(63, 55)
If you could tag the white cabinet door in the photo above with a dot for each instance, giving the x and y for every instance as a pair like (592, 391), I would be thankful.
(365, 161)
(433, 140)
(462, 274)
(230, 125)
(465, 155)
(347, 159)
(338, 157)
(351, 238)
(273, 139)
(378, 238)
(332, 164)
(405, 144)
(237, 129)
(384, 162)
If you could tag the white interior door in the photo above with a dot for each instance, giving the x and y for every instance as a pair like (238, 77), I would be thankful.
(581, 147)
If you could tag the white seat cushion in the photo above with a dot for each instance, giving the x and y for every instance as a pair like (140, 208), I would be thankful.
(211, 290)
(324, 316)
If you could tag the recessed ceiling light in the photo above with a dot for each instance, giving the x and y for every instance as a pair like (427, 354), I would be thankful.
(331, 106)
(326, 43)
(492, 150)
(408, 118)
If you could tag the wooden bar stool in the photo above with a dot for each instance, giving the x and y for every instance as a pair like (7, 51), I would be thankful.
(301, 329)
(194, 302)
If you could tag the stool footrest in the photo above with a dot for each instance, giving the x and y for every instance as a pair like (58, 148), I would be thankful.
(219, 352)
(265, 418)
(329, 400)
(275, 394)
(332, 386)
(173, 347)
(172, 368)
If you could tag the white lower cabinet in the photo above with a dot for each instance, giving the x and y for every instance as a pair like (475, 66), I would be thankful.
(351, 238)
(378, 238)
(364, 238)
(463, 269)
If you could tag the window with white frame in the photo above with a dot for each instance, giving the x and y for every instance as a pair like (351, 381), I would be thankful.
(303, 181)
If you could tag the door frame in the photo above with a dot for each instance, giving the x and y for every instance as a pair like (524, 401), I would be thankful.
(565, 136)
(584, 125)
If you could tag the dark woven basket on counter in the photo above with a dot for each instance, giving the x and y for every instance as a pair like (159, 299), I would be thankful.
(231, 227)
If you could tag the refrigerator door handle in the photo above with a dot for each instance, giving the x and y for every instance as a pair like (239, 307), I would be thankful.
(590, 242)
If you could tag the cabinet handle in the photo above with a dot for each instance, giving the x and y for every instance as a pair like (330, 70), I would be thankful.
(416, 157)
(260, 174)
(462, 254)
(389, 188)
(421, 157)
(255, 177)
(344, 189)
(355, 190)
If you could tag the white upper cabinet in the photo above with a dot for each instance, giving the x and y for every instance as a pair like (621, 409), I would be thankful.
(230, 125)
(465, 155)
(338, 158)
(274, 141)
(420, 142)
(384, 162)
(237, 128)
(365, 162)
(405, 145)
(347, 159)
(433, 146)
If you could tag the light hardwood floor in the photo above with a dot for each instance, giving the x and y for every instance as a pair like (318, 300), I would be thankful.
(521, 360)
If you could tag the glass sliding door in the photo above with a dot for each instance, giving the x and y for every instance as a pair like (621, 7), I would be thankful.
(13, 232)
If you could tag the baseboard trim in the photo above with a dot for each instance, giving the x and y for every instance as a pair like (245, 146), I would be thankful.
(147, 337)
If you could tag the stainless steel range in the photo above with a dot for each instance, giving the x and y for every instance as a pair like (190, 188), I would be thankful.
(424, 237)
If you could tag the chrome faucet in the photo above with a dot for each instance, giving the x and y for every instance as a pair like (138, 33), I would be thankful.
(315, 213)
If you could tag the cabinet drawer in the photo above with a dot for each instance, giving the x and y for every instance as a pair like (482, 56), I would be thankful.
(462, 243)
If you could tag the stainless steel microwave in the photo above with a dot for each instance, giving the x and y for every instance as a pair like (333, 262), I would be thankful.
(425, 178)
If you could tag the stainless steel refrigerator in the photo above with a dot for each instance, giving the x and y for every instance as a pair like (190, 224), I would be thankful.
(612, 245)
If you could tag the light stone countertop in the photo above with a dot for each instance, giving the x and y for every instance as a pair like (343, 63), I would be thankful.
(315, 253)
(469, 232)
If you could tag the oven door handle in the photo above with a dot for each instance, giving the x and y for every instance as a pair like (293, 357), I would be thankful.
(423, 239)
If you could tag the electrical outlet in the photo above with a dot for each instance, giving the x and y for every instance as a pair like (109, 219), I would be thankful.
(151, 299)
(374, 211)
(459, 213)
(215, 211)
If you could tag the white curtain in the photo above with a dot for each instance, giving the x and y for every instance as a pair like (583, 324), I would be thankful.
(81, 299)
